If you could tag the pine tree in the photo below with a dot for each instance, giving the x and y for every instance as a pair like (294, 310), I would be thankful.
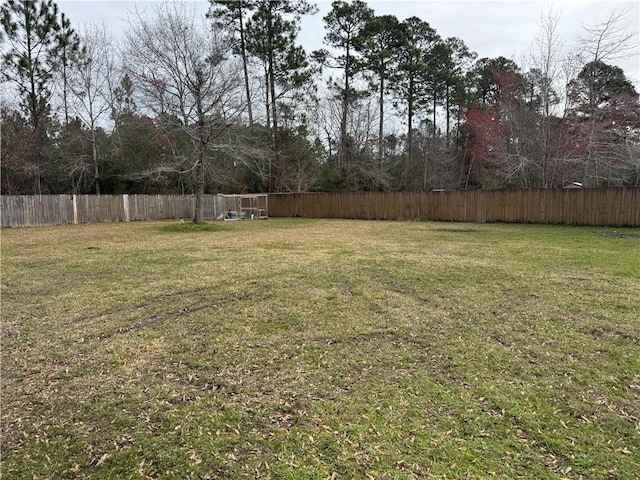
(70, 51)
(36, 37)
(232, 14)
(345, 24)
(271, 37)
(379, 43)
(411, 80)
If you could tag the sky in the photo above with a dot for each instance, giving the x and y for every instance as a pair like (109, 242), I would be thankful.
(490, 28)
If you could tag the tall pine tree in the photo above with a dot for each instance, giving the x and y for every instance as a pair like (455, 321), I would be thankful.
(379, 43)
(345, 24)
(271, 37)
(233, 14)
(36, 37)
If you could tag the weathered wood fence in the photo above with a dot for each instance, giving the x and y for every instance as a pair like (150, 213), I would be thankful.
(596, 207)
(42, 210)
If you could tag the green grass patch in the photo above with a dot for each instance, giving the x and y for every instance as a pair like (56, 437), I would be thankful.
(314, 349)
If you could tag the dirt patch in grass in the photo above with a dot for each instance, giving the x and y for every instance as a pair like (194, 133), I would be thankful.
(320, 349)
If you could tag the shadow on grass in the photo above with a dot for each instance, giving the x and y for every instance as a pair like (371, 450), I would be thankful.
(620, 235)
(190, 227)
(457, 230)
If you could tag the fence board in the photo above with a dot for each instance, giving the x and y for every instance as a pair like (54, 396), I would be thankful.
(597, 207)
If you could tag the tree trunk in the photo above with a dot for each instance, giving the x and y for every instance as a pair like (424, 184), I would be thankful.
(244, 66)
(199, 177)
(381, 124)
(267, 96)
(33, 98)
(435, 101)
(38, 180)
(587, 163)
(447, 106)
(546, 154)
(65, 86)
(274, 113)
(96, 168)
(592, 127)
(271, 83)
(342, 160)
(199, 167)
(425, 173)
(410, 122)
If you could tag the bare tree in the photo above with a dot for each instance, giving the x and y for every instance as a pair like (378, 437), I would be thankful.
(602, 42)
(89, 81)
(184, 73)
(546, 57)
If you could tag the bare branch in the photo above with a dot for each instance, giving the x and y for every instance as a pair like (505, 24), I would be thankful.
(610, 39)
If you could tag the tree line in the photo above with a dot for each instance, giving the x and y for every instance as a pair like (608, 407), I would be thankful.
(230, 101)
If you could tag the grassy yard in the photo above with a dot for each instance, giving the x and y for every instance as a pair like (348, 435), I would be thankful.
(320, 349)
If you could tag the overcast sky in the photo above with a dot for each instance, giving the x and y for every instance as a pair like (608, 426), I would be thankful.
(491, 29)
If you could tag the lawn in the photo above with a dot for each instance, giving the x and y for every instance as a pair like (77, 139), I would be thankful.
(320, 349)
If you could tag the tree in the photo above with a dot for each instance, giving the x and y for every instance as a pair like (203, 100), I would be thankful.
(90, 84)
(16, 143)
(485, 77)
(487, 139)
(299, 172)
(603, 121)
(411, 80)
(597, 84)
(601, 42)
(344, 25)
(503, 148)
(541, 92)
(140, 149)
(75, 149)
(185, 77)
(232, 14)
(122, 107)
(35, 38)
(608, 40)
(455, 62)
(70, 51)
(379, 42)
(271, 37)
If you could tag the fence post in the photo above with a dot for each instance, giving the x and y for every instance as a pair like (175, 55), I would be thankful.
(125, 202)
(75, 209)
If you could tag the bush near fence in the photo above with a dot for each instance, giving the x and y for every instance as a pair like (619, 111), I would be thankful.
(597, 207)
(618, 207)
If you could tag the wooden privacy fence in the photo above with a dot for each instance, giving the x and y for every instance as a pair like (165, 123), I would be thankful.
(596, 207)
(42, 210)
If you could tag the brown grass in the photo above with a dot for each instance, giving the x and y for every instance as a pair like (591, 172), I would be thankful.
(320, 349)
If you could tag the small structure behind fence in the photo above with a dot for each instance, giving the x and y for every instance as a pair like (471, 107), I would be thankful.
(245, 206)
